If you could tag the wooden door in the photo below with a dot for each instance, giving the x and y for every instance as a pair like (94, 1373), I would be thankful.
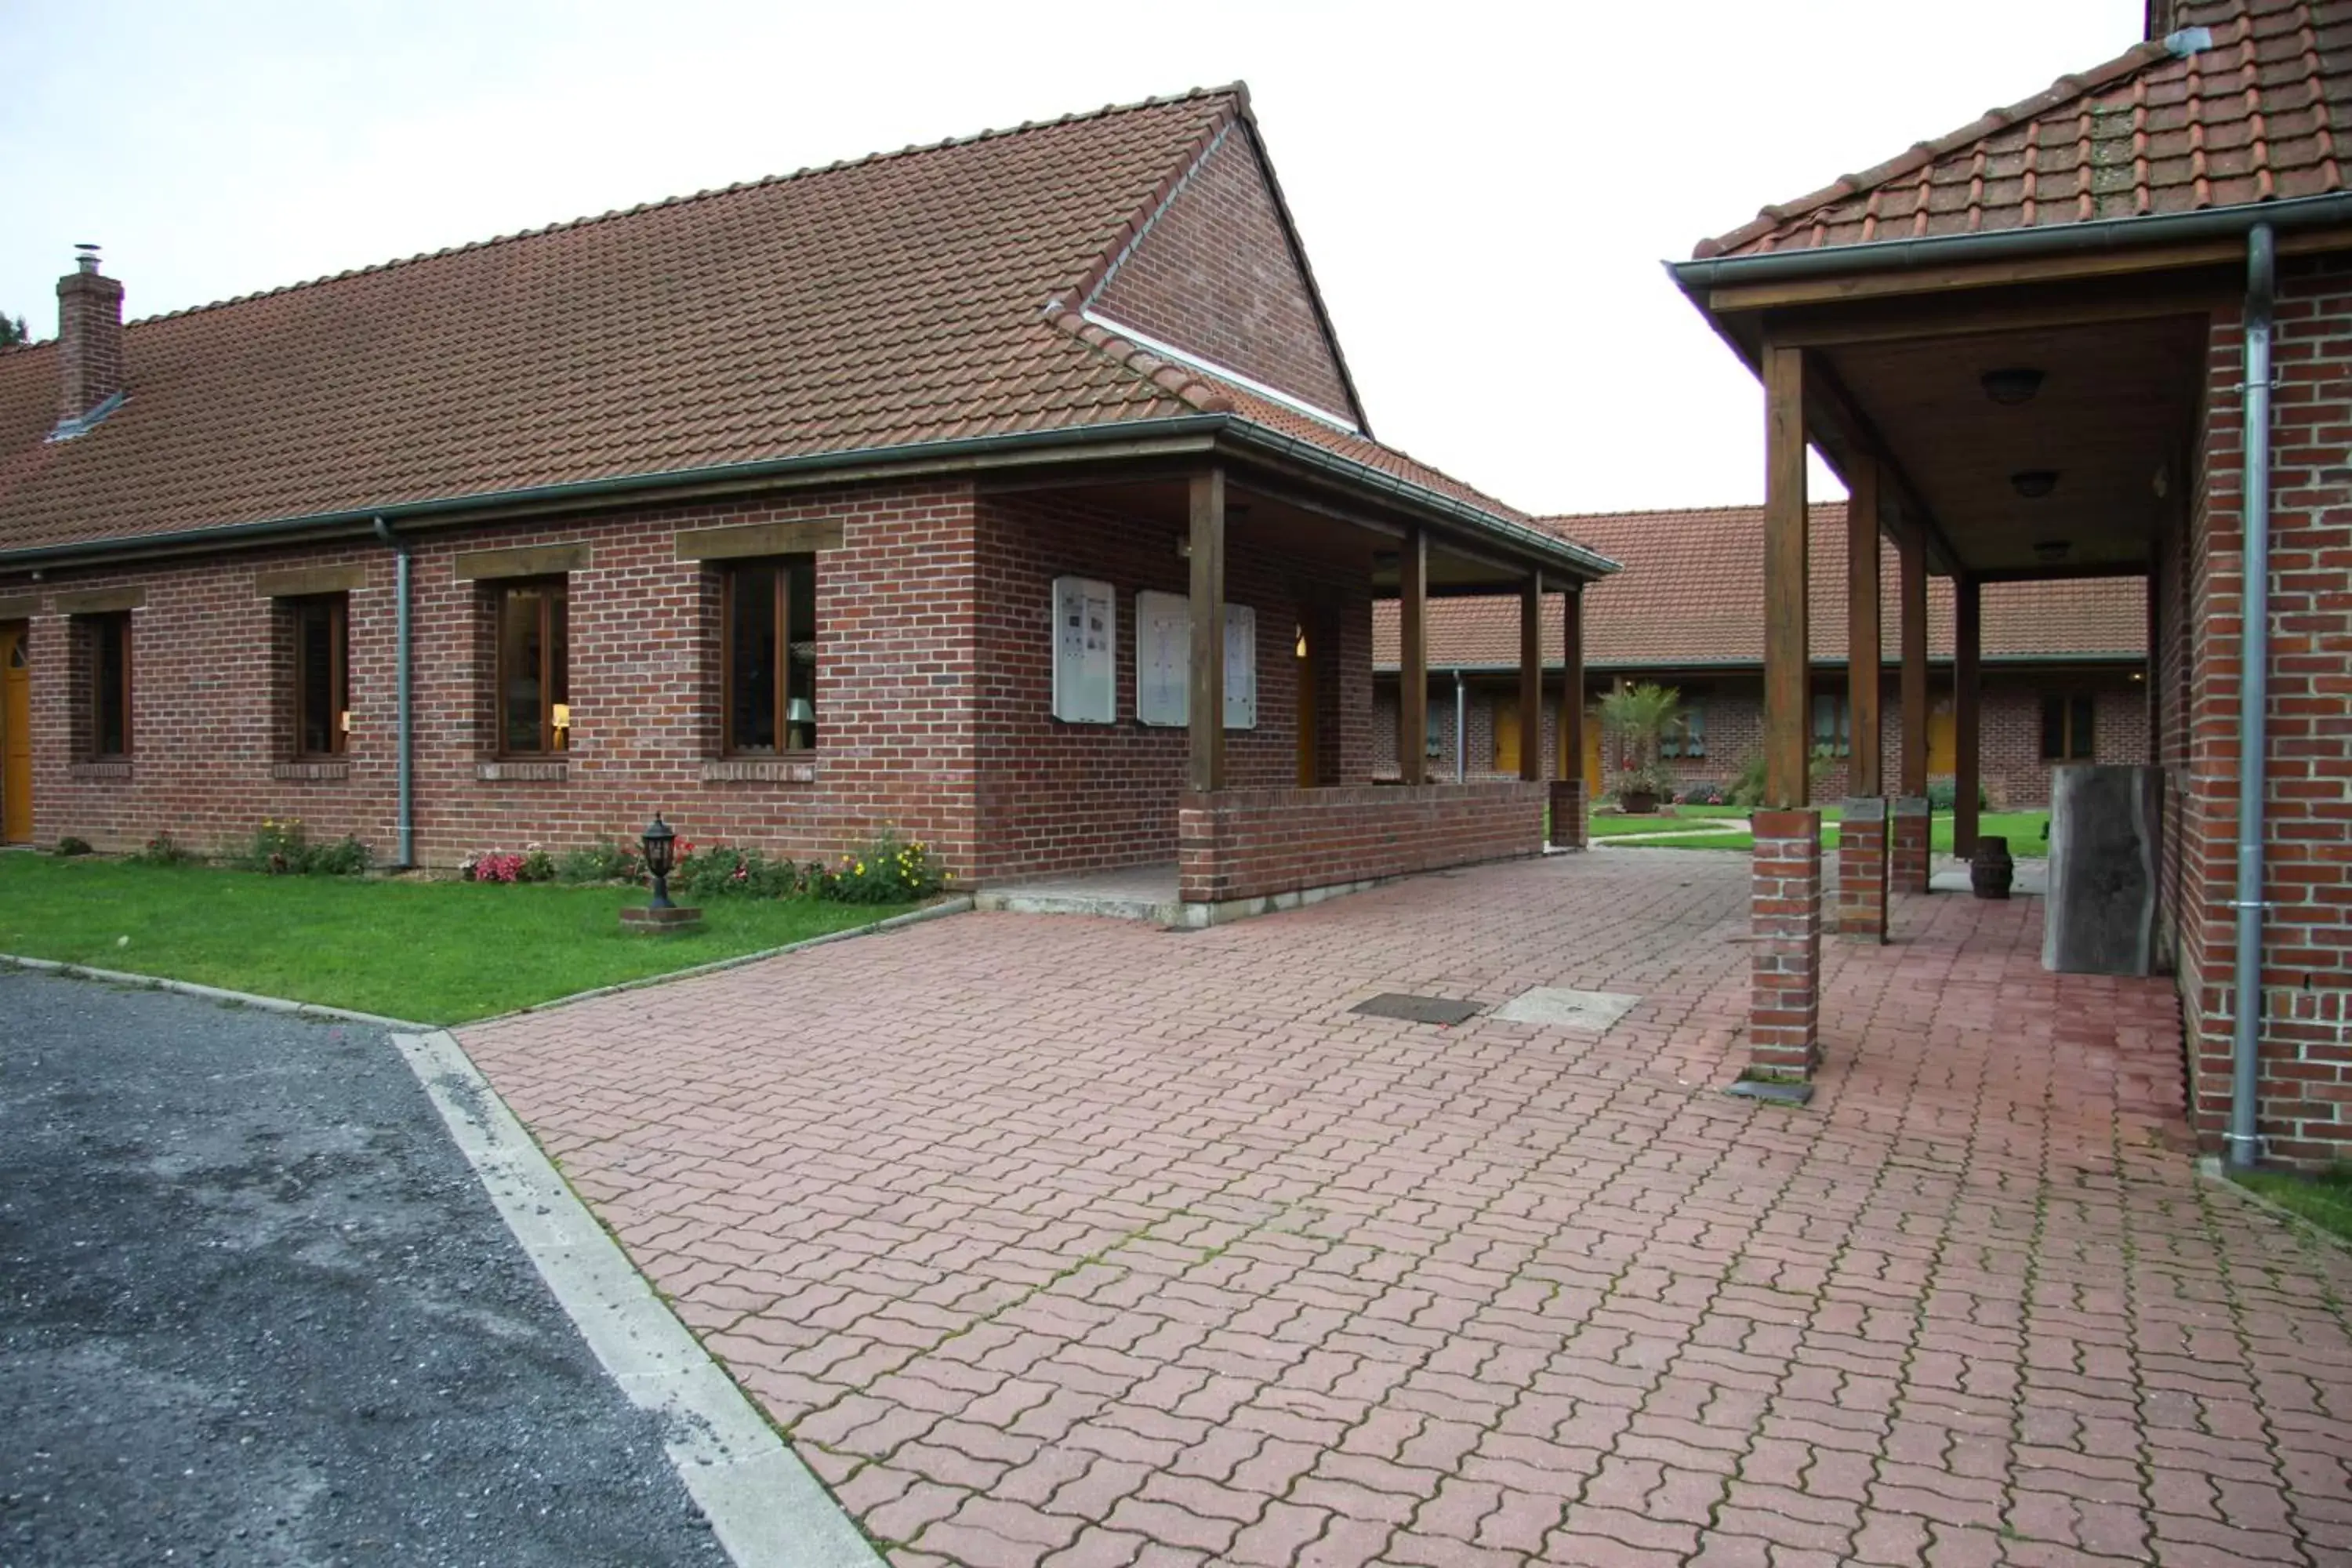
(1310, 764)
(1943, 749)
(16, 735)
(1507, 738)
(1591, 757)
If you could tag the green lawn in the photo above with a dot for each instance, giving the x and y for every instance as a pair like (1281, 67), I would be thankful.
(2326, 1199)
(438, 952)
(2024, 829)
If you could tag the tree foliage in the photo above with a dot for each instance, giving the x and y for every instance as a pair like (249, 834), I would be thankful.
(12, 332)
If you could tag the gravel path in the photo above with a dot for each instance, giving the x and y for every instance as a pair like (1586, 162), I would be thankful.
(256, 1310)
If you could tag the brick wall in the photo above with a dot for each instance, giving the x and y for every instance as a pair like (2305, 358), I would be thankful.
(1246, 844)
(1215, 274)
(894, 695)
(2305, 1113)
(1058, 797)
(2014, 774)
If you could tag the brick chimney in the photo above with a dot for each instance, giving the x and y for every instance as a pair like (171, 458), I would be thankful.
(90, 341)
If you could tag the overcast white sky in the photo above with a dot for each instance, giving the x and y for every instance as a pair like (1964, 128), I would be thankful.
(1486, 191)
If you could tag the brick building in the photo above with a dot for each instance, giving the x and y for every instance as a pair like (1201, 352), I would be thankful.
(2101, 334)
(1012, 493)
(2064, 662)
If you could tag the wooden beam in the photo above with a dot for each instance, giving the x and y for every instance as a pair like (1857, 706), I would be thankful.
(1206, 720)
(2085, 570)
(1862, 648)
(1943, 317)
(1412, 658)
(1787, 672)
(1967, 684)
(1572, 684)
(1531, 754)
(1912, 602)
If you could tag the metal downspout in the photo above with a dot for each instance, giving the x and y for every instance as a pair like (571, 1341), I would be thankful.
(405, 858)
(2244, 1139)
(1461, 731)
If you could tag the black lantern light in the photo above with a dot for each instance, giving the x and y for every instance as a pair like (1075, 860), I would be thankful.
(661, 850)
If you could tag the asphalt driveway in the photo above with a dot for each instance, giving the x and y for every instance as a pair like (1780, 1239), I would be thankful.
(255, 1309)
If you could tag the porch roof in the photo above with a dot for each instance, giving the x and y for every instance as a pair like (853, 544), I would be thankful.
(2247, 114)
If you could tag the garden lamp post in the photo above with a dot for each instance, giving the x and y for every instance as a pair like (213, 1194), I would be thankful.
(661, 848)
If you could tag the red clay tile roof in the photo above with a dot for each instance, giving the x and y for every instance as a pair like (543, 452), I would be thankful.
(2257, 117)
(905, 297)
(1692, 593)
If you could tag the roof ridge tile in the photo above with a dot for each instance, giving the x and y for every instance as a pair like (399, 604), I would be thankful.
(1236, 90)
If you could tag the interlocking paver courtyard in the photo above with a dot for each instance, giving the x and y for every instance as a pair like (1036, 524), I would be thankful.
(1071, 1241)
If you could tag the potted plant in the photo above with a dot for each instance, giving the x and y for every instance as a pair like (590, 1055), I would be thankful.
(1637, 717)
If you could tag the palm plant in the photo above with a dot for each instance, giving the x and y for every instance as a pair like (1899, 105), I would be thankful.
(1637, 717)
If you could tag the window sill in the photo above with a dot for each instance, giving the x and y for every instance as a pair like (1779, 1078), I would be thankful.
(522, 772)
(760, 770)
(313, 770)
(114, 768)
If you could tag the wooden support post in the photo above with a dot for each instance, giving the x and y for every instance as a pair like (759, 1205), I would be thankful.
(1787, 671)
(1412, 658)
(1568, 806)
(1967, 681)
(1865, 774)
(1913, 549)
(1207, 696)
(1531, 752)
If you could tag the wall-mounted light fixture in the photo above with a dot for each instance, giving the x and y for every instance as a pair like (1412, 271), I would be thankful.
(2034, 483)
(2053, 550)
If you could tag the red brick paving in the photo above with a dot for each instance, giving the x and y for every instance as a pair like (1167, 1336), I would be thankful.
(1070, 1241)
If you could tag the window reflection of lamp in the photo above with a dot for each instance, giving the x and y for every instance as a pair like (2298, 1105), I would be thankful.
(345, 719)
(563, 715)
(799, 713)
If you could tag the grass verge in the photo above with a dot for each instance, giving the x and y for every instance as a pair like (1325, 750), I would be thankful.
(2025, 830)
(437, 952)
(2324, 1199)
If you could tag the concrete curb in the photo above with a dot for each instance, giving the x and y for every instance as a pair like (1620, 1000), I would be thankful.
(765, 1507)
(940, 910)
(208, 993)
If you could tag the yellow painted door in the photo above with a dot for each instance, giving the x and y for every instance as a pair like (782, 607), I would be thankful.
(1507, 738)
(1591, 756)
(1943, 752)
(15, 736)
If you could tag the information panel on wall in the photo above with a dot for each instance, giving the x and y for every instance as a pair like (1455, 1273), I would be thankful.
(1163, 661)
(1086, 651)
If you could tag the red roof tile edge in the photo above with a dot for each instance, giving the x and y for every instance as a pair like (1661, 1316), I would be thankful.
(1992, 122)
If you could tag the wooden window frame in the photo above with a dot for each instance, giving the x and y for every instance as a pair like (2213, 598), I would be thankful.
(112, 624)
(785, 570)
(548, 589)
(2072, 747)
(339, 678)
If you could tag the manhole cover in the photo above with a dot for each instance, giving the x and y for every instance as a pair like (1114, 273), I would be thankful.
(1566, 1009)
(1419, 1009)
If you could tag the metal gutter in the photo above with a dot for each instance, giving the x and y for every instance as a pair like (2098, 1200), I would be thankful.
(2244, 1139)
(402, 638)
(2095, 235)
(2108, 661)
(1010, 445)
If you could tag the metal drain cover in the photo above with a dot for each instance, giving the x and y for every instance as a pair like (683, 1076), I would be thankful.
(1419, 1009)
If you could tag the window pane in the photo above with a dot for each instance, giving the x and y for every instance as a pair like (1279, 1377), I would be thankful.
(800, 670)
(522, 691)
(2054, 729)
(314, 677)
(113, 634)
(2080, 733)
(751, 659)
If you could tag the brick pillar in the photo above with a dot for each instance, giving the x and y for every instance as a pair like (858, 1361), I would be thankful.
(1861, 868)
(1785, 903)
(1907, 855)
(1568, 812)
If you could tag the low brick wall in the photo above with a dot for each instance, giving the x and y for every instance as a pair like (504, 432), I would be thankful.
(1249, 844)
